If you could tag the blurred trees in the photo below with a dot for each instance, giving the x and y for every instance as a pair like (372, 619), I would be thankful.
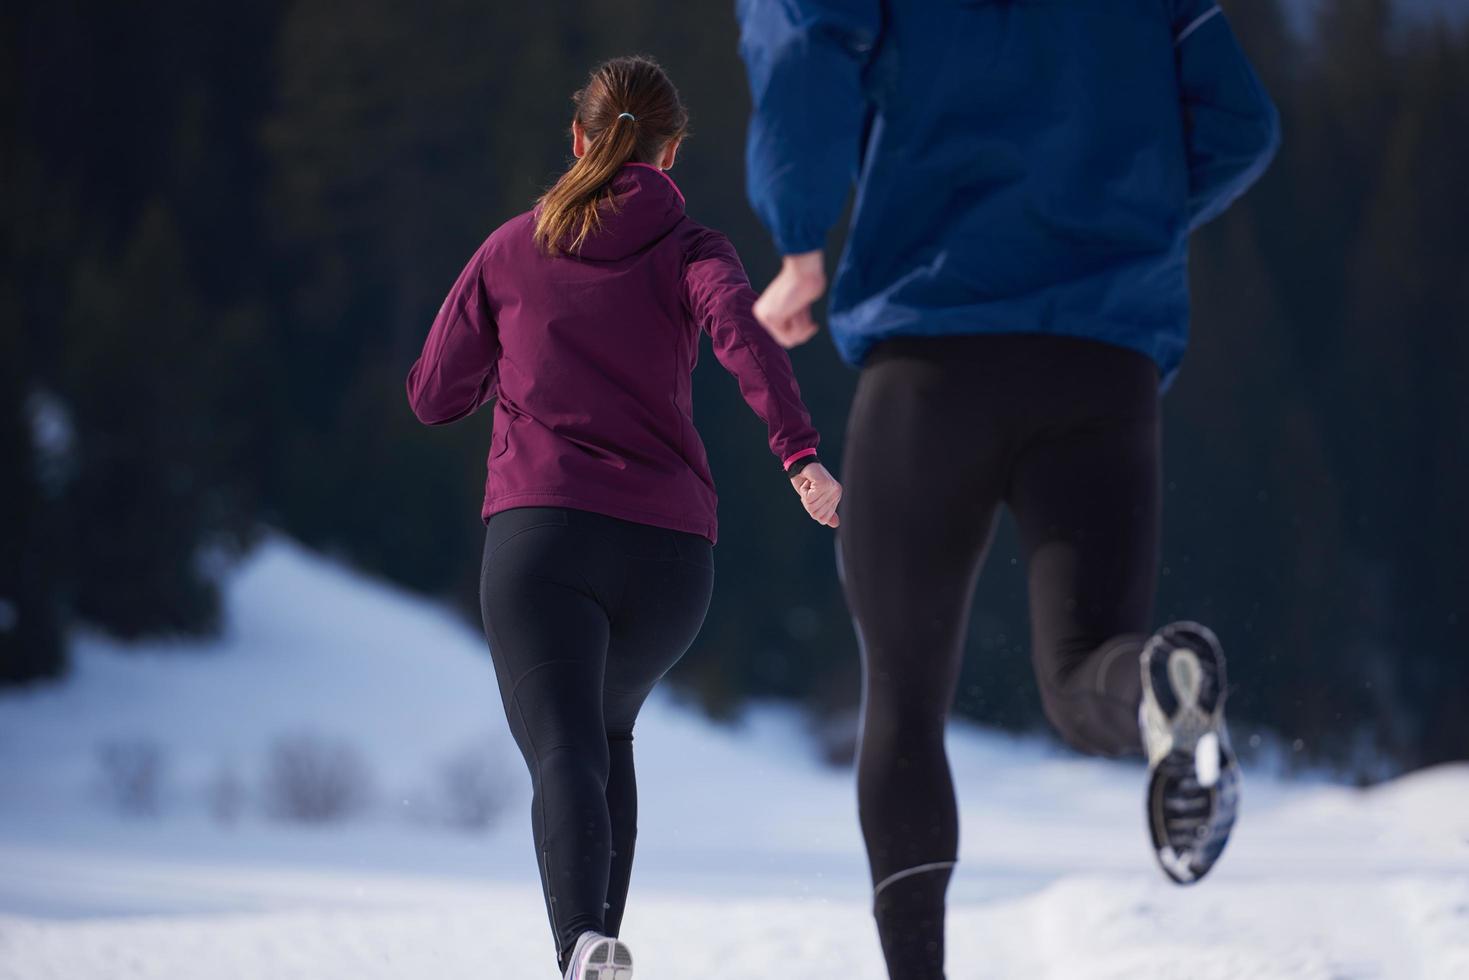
(1330, 315)
(226, 231)
(136, 393)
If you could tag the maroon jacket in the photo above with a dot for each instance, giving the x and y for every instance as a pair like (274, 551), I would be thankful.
(590, 357)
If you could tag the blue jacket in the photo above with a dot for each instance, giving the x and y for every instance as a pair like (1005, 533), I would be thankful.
(1022, 166)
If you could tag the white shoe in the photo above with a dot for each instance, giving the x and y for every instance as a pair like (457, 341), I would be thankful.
(1193, 778)
(599, 957)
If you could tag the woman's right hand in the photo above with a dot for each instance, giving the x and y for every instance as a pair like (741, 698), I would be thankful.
(819, 492)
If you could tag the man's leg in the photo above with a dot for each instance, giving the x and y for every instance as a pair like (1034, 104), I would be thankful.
(1085, 492)
(921, 496)
(1086, 497)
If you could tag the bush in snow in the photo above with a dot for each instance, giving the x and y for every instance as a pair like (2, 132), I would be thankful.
(132, 771)
(475, 785)
(835, 733)
(315, 779)
(224, 794)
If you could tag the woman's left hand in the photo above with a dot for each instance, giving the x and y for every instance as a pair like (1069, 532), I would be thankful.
(819, 492)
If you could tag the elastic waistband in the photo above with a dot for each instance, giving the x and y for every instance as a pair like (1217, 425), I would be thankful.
(632, 538)
(961, 347)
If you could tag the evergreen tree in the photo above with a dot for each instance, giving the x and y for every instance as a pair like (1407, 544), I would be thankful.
(161, 394)
(130, 342)
(1400, 395)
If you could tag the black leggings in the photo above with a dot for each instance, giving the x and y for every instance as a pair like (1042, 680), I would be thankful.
(583, 614)
(942, 431)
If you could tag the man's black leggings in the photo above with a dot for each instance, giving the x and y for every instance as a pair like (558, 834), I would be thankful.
(943, 430)
(583, 614)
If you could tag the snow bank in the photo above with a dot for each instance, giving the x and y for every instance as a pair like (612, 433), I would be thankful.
(750, 861)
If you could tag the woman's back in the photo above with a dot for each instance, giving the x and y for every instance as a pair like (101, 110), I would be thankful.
(590, 353)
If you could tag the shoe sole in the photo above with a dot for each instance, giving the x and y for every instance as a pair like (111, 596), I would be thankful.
(1184, 691)
(606, 959)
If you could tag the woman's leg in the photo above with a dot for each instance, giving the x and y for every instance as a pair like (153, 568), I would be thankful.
(622, 808)
(923, 471)
(1085, 492)
(668, 580)
(548, 628)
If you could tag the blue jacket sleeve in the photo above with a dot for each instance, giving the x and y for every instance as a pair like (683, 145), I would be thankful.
(1233, 129)
(805, 60)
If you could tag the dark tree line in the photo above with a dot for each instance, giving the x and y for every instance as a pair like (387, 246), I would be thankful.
(226, 229)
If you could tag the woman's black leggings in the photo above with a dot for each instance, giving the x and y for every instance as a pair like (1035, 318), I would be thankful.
(583, 614)
(943, 430)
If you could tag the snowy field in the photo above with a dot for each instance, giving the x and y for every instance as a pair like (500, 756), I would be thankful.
(179, 864)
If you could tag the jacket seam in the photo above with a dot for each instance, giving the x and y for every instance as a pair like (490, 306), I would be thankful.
(1197, 23)
(765, 376)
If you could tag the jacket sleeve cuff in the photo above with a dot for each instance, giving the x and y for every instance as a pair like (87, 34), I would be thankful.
(799, 239)
(796, 462)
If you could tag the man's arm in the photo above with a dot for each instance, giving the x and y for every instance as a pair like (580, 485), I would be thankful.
(804, 59)
(1231, 127)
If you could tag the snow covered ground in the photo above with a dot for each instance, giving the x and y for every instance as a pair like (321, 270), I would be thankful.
(749, 859)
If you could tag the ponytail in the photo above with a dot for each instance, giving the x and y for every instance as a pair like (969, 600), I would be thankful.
(572, 208)
(629, 111)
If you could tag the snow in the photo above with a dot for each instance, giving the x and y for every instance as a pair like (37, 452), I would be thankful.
(749, 858)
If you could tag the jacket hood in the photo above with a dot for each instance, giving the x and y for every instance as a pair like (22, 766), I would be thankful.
(646, 206)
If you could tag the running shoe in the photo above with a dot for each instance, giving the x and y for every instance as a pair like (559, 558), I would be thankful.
(1193, 777)
(599, 957)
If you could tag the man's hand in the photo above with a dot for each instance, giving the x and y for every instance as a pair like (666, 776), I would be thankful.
(784, 309)
(819, 492)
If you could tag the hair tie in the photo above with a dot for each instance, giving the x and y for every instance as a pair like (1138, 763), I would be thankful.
(627, 115)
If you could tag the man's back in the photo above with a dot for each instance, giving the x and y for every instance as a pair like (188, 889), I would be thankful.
(1025, 165)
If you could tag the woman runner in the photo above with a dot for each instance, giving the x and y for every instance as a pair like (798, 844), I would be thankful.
(581, 320)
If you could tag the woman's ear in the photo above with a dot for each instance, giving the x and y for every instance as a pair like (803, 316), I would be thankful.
(670, 152)
(578, 140)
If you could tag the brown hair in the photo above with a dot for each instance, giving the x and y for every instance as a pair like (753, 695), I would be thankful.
(638, 86)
